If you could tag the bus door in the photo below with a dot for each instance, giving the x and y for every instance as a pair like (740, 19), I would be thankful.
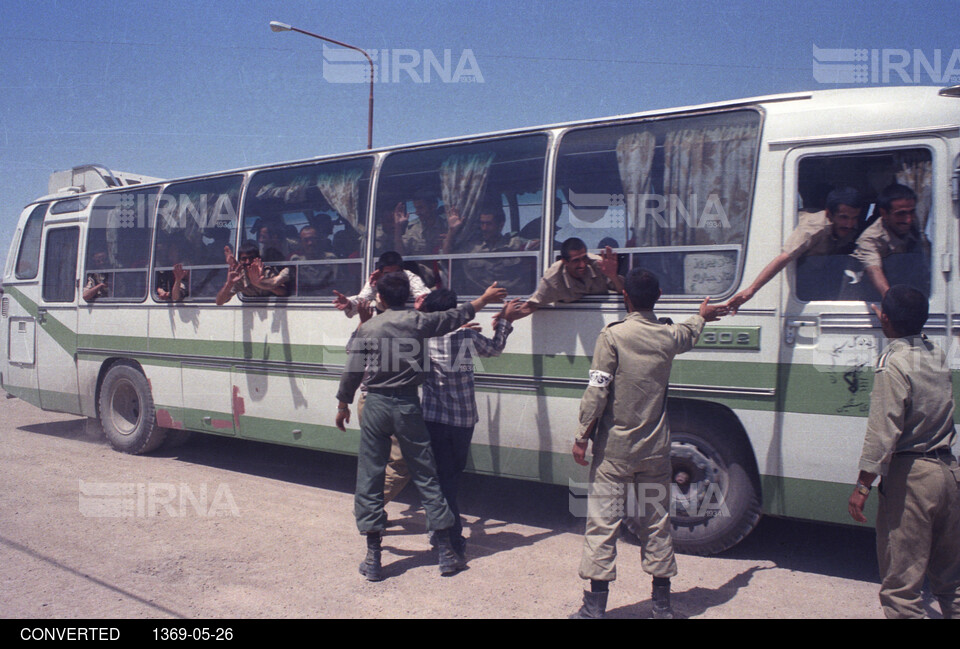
(831, 339)
(19, 311)
(56, 322)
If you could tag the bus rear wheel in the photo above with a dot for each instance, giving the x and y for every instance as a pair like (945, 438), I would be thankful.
(714, 495)
(126, 411)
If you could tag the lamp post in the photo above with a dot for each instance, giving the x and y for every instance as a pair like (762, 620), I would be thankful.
(282, 27)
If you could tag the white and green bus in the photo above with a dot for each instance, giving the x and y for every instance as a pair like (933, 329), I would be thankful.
(769, 409)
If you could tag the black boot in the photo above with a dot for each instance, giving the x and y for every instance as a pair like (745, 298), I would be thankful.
(450, 562)
(661, 599)
(594, 606)
(371, 567)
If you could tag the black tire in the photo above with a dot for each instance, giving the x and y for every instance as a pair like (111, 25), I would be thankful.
(126, 411)
(715, 499)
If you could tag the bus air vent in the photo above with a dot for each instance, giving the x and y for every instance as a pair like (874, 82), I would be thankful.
(4, 307)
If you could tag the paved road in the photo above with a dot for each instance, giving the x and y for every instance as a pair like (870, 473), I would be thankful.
(225, 528)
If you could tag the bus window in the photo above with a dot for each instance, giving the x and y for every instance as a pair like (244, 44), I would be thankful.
(457, 213)
(674, 194)
(196, 220)
(118, 246)
(60, 265)
(312, 218)
(28, 259)
(841, 274)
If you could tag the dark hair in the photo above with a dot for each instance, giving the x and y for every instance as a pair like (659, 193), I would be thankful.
(249, 248)
(844, 196)
(441, 299)
(906, 308)
(494, 207)
(394, 289)
(643, 288)
(389, 258)
(571, 244)
(894, 192)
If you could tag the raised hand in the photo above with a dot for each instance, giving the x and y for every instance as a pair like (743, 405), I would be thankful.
(608, 262)
(341, 301)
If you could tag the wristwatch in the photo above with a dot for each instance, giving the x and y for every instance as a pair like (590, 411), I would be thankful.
(862, 489)
(581, 441)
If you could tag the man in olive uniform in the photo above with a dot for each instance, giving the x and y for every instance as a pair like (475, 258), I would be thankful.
(388, 353)
(909, 437)
(624, 411)
(575, 275)
(826, 233)
(896, 232)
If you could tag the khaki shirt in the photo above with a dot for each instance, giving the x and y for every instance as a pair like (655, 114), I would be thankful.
(508, 272)
(627, 393)
(911, 406)
(877, 242)
(418, 242)
(814, 236)
(557, 285)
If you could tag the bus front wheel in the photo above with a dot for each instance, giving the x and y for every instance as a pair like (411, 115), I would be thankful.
(126, 411)
(714, 494)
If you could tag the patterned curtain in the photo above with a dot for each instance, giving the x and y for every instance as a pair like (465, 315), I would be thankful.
(635, 159)
(708, 173)
(295, 192)
(463, 180)
(342, 190)
(915, 170)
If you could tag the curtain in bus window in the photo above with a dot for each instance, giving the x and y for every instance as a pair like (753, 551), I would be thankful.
(342, 190)
(463, 181)
(295, 192)
(915, 170)
(635, 160)
(707, 181)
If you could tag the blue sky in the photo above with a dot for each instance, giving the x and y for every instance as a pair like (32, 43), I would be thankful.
(171, 88)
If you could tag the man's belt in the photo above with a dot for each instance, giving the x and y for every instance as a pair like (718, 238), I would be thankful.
(943, 453)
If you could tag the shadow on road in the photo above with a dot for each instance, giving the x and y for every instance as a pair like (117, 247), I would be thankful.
(819, 548)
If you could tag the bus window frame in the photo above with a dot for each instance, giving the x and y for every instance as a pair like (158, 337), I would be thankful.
(549, 139)
(863, 149)
(154, 268)
(151, 223)
(23, 234)
(366, 215)
(738, 278)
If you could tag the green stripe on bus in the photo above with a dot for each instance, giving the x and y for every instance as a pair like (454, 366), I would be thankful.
(812, 499)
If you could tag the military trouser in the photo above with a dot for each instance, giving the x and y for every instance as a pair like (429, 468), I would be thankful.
(641, 491)
(918, 534)
(399, 415)
(397, 476)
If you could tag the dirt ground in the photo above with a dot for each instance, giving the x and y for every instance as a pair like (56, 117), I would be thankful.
(226, 528)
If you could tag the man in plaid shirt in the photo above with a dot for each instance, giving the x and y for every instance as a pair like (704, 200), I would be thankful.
(449, 406)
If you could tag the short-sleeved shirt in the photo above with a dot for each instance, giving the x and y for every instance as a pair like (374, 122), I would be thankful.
(877, 242)
(557, 285)
(911, 405)
(814, 236)
(627, 393)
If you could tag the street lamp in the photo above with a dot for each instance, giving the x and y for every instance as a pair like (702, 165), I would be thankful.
(282, 27)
